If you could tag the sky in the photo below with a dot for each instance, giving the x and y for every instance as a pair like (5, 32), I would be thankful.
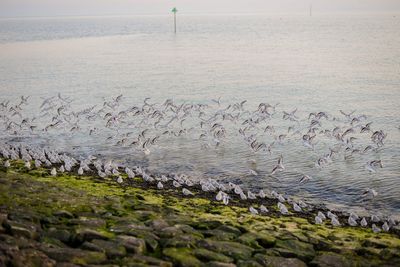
(17, 8)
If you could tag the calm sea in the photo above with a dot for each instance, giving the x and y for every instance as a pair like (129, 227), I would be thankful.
(320, 63)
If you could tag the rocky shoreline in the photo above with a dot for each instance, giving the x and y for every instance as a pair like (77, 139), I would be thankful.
(72, 220)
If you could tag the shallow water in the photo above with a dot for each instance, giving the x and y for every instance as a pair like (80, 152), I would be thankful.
(323, 63)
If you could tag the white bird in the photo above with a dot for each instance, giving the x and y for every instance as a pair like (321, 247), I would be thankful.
(318, 220)
(375, 218)
(238, 190)
(296, 207)
(304, 179)
(321, 215)
(370, 192)
(352, 221)
(335, 221)
(371, 166)
(38, 163)
(375, 228)
(219, 196)
(176, 184)
(253, 172)
(253, 211)
(61, 169)
(392, 222)
(251, 195)
(282, 208)
(354, 216)
(263, 209)
(80, 171)
(385, 227)
(186, 192)
(53, 172)
(102, 174)
(279, 167)
(363, 222)
(160, 185)
(67, 167)
(28, 165)
(302, 204)
(225, 199)
(120, 180)
(7, 164)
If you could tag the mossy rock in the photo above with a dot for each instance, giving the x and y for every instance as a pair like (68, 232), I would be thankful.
(181, 241)
(330, 259)
(257, 240)
(182, 257)
(75, 256)
(141, 260)
(112, 249)
(208, 255)
(273, 261)
(248, 263)
(304, 251)
(218, 234)
(232, 249)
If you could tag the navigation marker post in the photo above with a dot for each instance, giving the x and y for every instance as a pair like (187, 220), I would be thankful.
(174, 10)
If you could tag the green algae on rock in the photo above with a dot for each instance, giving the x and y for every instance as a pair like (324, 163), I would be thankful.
(81, 220)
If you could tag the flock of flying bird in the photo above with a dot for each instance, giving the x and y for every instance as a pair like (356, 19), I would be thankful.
(212, 125)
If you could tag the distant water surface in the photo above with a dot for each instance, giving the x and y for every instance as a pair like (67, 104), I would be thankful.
(320, 63)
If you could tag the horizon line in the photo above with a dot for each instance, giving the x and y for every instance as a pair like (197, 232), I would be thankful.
(200, 14)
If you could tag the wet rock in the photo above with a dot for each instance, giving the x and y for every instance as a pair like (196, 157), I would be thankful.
(150, 238)
(232, 249)
(27, 230)
(132, 244)
(52, 242)
(141, 260)
(76, 256)
(113, 250)
(206, 225)
(375, 243)
(180, 241)
(66, 264)
(390, 253)
(293, 247)
(22, 231)
(144, 215)
(248, 263)
(92, 247)
(208, 255)
(169, 232)
(182, 257)
(31, 258)
(219, 235)
(188, 230)
(89, 222)
(88, 235)
(257, 240)
(63, 214)
(23, 216)
(229, 229)
(220, 264)
(330, 259)
(62, 235)
(158, 224)
(3, 217)
(273, 261)
(124, 227)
